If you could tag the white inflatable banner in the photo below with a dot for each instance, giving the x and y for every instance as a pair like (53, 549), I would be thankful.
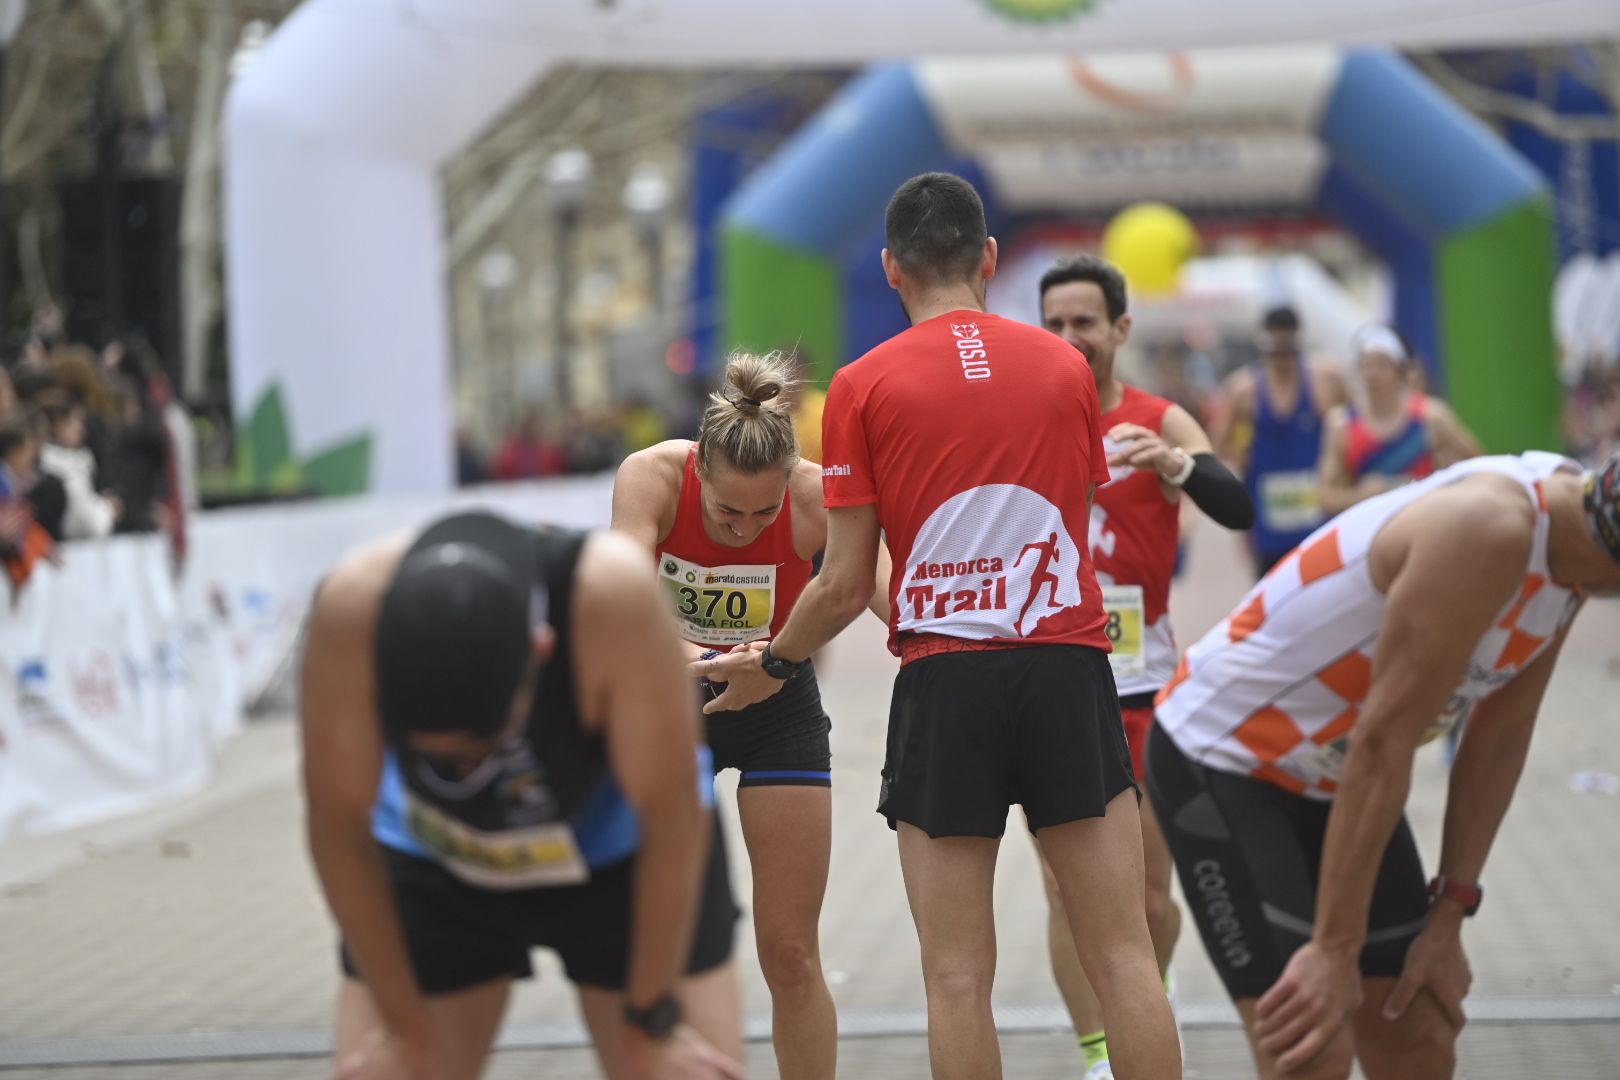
(119, 684)
(1237, 126)
(336, 134)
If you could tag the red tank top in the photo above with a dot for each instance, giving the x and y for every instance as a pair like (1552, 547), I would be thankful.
(1405, 455)
(725, 595)
(1134, 534)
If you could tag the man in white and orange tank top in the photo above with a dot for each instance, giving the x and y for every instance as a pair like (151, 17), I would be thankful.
(1156, 451)
(1282, 752)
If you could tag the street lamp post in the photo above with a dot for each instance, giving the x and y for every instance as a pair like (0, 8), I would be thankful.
(567, 184)
(646, 199)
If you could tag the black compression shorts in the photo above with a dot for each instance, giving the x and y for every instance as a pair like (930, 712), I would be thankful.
(1249, 854)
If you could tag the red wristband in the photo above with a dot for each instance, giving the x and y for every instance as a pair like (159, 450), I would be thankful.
(1465, 896)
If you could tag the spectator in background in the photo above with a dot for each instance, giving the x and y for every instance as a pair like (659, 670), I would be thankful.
(470, 466)
(593, 442)
(88, 513)
(24, 541)
(8, 396)
(527, 453)
(1400, 435)
(806, 405)
(137, 458)
(80, 377)
(643, 425)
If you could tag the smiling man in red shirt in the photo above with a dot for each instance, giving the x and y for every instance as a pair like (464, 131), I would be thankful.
(971, 445)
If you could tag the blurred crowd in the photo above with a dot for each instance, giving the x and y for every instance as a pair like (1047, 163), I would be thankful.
(541, 444)
(1592, 412)
(92, 443)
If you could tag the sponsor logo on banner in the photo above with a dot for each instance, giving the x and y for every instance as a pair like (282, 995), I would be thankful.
(1040, 11)
(33, 694)
(95, 684)
(165, 666)
(991, 562)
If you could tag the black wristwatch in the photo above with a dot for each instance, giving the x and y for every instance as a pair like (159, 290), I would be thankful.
(777, 668)
(658, 1019)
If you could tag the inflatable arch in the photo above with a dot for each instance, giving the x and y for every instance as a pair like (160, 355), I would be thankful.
(336, 132)
(1462, 221)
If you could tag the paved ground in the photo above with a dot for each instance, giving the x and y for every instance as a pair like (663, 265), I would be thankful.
(197, 930)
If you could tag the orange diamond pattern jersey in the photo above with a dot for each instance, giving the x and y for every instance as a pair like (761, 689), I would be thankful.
(979, 439)
(1273, 690)
(726, 596)
(1134, 534)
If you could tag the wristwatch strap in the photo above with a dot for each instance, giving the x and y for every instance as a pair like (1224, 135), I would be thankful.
(1467, 897)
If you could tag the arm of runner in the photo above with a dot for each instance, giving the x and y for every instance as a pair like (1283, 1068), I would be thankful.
(1333, 389)
(810, 514)
(1415, 670)
(1210, 485)
(1484, 775)
(1335, 491)
(879, 604)
(1452, 441)
(642, 496)
(342, 765)
(832, 600)
(652, 737)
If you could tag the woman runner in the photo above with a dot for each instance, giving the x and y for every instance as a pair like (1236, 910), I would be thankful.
(733, 521)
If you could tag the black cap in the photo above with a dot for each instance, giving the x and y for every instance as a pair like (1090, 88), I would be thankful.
(454, 633)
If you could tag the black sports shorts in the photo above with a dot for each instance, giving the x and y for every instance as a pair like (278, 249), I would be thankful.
(785, 739)
(972, 733)
(459, 935)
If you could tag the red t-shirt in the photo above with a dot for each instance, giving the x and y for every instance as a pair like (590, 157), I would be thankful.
(978, 438)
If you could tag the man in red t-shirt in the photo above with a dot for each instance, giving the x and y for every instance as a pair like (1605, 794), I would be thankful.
(972, 444)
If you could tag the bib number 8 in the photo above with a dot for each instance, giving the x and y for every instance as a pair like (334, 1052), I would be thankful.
(1114, 630)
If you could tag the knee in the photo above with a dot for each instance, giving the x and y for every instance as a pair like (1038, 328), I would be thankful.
(960, 978)
(1426, 1048)
(1162, 912)
(1333, 1063)
(789, 963)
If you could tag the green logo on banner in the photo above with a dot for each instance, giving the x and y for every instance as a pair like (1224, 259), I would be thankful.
(1041, 10)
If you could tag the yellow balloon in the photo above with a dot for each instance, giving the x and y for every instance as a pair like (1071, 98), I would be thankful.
(1149, 242)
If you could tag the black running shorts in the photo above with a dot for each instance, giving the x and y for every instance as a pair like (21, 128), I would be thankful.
(459, 935)
(1249, 855)
(785, 739)
(971, 733)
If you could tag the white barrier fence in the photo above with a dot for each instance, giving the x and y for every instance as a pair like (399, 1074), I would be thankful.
(119, 683)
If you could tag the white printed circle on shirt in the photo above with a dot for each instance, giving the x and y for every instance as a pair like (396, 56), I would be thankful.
(990, 562)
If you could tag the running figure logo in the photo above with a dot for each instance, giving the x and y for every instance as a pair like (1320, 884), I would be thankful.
(990, 562)
(1041, 578)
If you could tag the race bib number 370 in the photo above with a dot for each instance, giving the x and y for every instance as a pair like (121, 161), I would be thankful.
(720, 605)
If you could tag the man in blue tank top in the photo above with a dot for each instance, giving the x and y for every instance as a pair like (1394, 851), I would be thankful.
(1272, 433)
